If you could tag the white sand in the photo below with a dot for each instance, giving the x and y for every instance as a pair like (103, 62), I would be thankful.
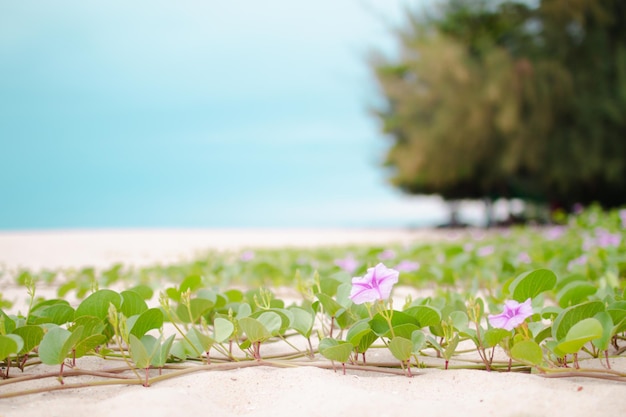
(301, 391)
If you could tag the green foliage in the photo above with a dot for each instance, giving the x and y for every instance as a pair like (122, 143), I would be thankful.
(578, 307)
(335, 350)
(531, 284)
(97, 304)
(580, 333)
(57, 345)
(527, 351)
(31, 336)
(572, 315)
(150, 319)
(10, 345)
(502, 100)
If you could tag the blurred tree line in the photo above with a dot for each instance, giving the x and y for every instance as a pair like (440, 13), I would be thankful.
(507, 99)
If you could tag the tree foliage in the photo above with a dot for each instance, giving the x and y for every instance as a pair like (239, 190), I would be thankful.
(500, 99)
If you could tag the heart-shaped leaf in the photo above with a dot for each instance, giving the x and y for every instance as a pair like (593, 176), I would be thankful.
(582, 332)
(527, 351)
(531, 284)
(335, 350)
(97, 304)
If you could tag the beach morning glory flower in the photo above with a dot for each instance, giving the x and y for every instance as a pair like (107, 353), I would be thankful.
(581, 260)
(247, 256)
(523, 257)
(513, 315)
(408, 266)
(376, 284)
(485, 251)
(348, 264)
(386, 255)
(606, 239)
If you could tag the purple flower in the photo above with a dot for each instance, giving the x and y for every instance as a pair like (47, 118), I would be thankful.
(386, 255)
(578, 208)
(247, 256)
(375, 285)
(554, 232)
(513, 315)
(523, 257)
(485, 251)
(581, 260)
(408, 266)
(605, 239)
(348, 264)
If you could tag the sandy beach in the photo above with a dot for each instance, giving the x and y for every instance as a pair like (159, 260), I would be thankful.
(269, 391)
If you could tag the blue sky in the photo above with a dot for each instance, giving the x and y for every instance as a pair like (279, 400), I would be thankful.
(195, 113)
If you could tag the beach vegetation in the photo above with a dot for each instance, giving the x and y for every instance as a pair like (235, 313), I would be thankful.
(557, 311)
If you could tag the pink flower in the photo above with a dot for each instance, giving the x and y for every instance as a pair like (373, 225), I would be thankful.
(513, 315)
(386, 255)
(408, 266)
(523, 257)
(348, 264)
(605, 239)
(485, 251)
(554, 232)
(375, 285)
(247, 256)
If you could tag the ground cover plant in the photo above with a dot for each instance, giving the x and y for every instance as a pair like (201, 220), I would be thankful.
(547, 300)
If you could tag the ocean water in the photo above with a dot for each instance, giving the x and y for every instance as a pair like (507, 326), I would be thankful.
(196, 114)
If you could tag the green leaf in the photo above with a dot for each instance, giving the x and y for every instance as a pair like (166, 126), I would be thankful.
(582, 332)
(302, 321)
(198, 306)
(178, 350)
(148, 320)
(605, 320)
(380, 326)
(88, 344)
(191, 283)
(527, 351)
(361, 336)
(254, 329)
(31, 335)
(57, 344)
(451, 348)
(572, 315)
(418, 338)
(160, 357)
(403, 330)
(223, 329)
(335, 350)
(401, 348)
(144, 291)
(530, 284)
(139, 352)
(328, 286)
(234, 296)
(97, 304)
(244, 310)
(494, 336)
(425, 315)
(575, 292)
(9, 345)
(57, 312)
(7, 324)
(132, 304)
(271, 321)
(331, 307)
(460, 321)
(200, 342)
